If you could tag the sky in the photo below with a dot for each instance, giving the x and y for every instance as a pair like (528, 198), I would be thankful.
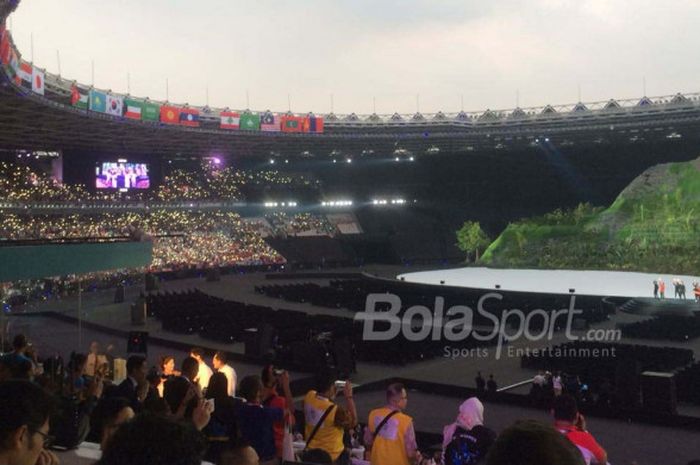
(362, 55)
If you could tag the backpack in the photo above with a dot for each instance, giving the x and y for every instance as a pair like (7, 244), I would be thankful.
(462, 449)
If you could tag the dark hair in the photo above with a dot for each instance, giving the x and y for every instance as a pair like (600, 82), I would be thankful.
(165, 359)
(190, 367)
(154, 440)
(218, 386)
(223, 358)
(134, 362)
(324, 382)
(394, 390)
(19, 342)
(198, 351)
(106, 411)
(565, 408)
(174, 392)
(22, 403)
(250, 387)
(76, 361)
(529, 442)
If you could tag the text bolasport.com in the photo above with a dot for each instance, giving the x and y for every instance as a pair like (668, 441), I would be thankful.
(382, 322)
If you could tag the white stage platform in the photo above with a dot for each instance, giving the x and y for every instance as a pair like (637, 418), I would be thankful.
(606, 283)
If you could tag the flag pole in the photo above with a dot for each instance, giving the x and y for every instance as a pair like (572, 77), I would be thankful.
(31, 45)
(93, 72)
(462, 100)
(58, 60)
(128, 83)
(167, 90)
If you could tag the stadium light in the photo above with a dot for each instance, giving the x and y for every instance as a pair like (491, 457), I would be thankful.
(411, 159)
(272, 161)
(349, 160)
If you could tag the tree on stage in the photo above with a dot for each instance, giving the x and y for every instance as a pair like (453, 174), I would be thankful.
(471, 238)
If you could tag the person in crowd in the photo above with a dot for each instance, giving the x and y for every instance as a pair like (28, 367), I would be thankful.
(25, 409)
(256, 421)
(220, 363)
(76, 372)
(222, 428)
(696, 291)
(135, 387)
(272, 380)
(95, 360)
(167, 371)
(491, 385)
(569, 422)
(390, 433)
(109, 414)
(184, 401)
(662, 289)
(557, 384)
(529, 442)
(676, 287)
(466, 441)
(681, 289)
(332, 419)
(190, 370)
(154, 440)
(480, 383)
(656, 289)
(204, 372)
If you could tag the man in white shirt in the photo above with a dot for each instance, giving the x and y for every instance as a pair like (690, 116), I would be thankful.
(220, 364)
(204, 372)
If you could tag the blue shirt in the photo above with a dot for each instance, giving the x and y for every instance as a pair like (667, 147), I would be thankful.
(255, 423)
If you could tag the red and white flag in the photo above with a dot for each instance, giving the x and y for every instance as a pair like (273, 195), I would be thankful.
(230, 120)
(37, 80)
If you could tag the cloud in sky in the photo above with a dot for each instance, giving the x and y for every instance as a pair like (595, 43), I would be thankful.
(359, 50)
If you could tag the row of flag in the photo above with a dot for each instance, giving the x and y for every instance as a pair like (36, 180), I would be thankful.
(30, 77)
(103, 102)
(22, 73)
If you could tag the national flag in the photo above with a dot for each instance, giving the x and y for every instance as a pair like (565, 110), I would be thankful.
(313, 124)
(5, 48)
(133, 109)
(25, 73)
(169, 115)
(270, 122)
(189, 117)
(292, 123)
(115, 105)
(38, 84)
(150, 112)
(98, 101)
(230, 120)
(77, 98)
(12, 67)
(250, 121)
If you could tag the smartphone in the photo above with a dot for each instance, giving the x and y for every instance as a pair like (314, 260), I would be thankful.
(340, 384)
(278, 372)
(210, 405)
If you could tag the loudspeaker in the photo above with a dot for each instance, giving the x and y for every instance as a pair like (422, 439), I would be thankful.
(119, 294)
(151, 282)
(137, 342)
(138, 312)
(659, 392)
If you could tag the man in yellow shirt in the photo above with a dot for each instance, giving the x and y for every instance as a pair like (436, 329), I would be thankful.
(390, 432)
(329, 435)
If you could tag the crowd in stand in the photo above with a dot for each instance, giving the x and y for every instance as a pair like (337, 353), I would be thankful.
(163, 415)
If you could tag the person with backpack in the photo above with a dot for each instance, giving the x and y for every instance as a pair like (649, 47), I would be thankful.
(390, 434)
(467, 440)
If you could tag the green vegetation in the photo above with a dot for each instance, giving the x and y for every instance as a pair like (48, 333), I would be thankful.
(653, 225)
(471, 238)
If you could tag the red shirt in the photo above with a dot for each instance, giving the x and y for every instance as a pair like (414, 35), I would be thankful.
(277, 401)
(583, 440)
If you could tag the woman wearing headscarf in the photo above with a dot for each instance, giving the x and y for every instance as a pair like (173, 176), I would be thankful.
(467, 440)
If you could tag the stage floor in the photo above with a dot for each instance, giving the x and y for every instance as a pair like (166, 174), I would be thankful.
(605, 283)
